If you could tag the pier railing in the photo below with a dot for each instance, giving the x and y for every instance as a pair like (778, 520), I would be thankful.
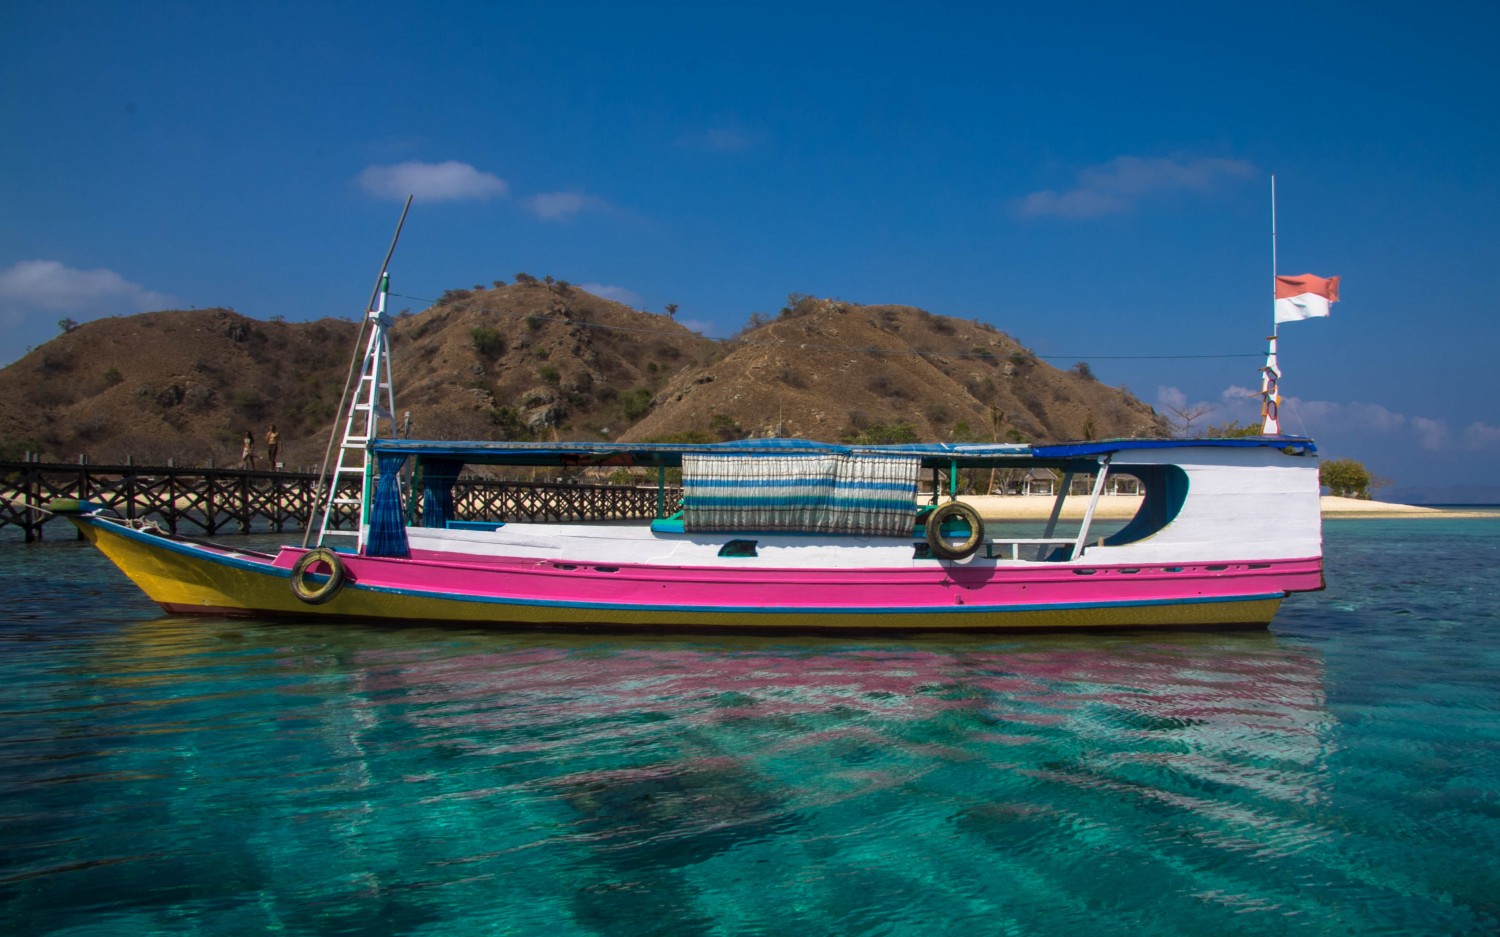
(209, 501)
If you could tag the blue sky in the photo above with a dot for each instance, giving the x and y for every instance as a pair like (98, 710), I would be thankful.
(1093, 179)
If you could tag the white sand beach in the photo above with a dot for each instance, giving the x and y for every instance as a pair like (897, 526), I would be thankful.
(1356, 507)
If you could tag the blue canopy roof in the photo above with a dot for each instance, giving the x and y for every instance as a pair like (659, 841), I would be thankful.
(670, 454)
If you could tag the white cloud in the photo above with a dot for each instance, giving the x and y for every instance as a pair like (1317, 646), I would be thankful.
(1117, 186)
(617, 293)
(1319, 418)
(1239, 400)
(1170, 397)
(1174, 399)
(1482, 436)
(1375, 418)
(1327, 416)
(432, 182)
(37, 285)
(559, 206)
(1432, 434)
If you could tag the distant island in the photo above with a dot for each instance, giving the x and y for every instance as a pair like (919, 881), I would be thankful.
(543, 359)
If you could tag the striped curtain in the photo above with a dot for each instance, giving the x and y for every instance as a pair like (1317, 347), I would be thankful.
(836, 494)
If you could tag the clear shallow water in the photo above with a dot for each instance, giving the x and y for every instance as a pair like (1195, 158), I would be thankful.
(1339, 774)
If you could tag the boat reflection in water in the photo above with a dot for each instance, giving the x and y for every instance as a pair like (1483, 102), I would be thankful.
(579, 777)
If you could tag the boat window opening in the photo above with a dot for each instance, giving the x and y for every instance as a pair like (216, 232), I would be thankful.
(738, 548)
(606, 569)
(1216, 568)
(1165, 490)
(1259, 566)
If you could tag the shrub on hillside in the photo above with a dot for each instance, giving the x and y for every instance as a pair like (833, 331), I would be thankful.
(636, 403)
(883, 434)
(487, 341)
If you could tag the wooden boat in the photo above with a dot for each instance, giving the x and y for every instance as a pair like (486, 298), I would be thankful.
(785, 535)
(774, 535)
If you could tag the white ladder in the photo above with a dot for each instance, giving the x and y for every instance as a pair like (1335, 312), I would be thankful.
(373, 400)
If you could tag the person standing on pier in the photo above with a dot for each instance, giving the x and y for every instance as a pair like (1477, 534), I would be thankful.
(247, 452)
(273, 447)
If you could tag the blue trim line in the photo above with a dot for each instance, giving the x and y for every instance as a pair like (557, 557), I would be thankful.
(268, 569)
(668, 453)
(188, 549)
(802, 481)
(1073, 449)
(699, 502)
(846, 610)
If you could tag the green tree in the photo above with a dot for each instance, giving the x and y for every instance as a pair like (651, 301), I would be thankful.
(1232, 430)
(1346, 478)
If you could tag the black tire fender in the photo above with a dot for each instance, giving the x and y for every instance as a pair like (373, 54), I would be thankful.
(321, 592)
(941, 547)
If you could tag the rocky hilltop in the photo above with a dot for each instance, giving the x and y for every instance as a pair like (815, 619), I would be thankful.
(547, 360)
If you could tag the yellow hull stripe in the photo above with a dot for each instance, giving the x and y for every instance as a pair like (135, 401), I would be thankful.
(178, 580)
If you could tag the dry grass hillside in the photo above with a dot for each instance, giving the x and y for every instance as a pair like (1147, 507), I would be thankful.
(829, 370)
(546, 360)
(181, 385)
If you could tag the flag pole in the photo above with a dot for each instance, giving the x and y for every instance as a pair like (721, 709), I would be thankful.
(1270, 379)
(1275, 326)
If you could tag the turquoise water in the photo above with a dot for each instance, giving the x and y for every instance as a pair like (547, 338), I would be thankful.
(1339, 774)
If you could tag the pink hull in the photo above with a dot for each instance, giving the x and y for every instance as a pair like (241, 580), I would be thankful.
(931, 587)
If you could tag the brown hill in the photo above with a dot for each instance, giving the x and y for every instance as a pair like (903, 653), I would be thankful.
(829, 370)
(181, 385)
(534, 360)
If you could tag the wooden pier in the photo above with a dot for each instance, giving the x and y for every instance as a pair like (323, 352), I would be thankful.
(209, 501)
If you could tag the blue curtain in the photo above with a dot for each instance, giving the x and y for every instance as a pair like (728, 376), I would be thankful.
(387, 533)
(438, 478)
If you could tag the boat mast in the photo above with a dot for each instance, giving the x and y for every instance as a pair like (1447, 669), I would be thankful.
(363, 406)
(1270, 375)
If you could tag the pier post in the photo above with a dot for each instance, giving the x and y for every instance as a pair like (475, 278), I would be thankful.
(32, 485)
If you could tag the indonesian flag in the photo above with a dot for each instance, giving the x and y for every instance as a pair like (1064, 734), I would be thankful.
(1304, 297)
